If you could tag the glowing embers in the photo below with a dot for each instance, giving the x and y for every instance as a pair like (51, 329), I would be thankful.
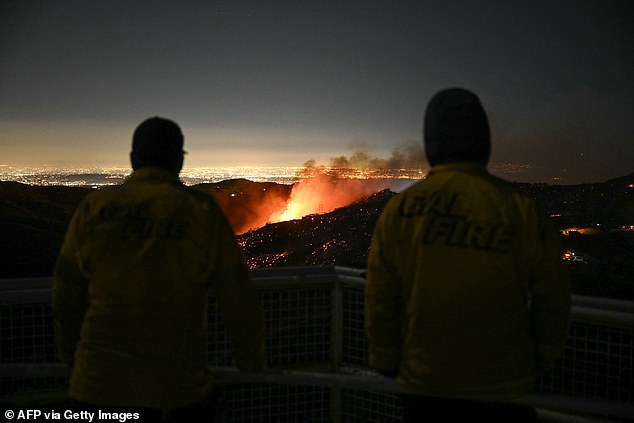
(572, 257)
(266, 260)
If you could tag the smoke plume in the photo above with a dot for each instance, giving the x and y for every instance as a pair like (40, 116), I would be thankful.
(347, 179)
(408, 156)
(319, 188)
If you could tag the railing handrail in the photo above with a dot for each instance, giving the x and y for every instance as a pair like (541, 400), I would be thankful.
(367, 381)
(607, 311)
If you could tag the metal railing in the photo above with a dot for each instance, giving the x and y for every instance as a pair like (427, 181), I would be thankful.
(317, 353)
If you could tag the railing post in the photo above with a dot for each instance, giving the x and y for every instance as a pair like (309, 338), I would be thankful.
(336, 348)
(336, 326)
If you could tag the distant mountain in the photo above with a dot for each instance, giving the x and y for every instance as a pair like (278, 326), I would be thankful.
(610, 203)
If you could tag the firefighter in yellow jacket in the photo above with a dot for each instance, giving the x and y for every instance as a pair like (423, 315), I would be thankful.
(131, 286)
(466, 294)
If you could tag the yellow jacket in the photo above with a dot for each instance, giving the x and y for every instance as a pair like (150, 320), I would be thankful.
(130, 294)
(466, 291)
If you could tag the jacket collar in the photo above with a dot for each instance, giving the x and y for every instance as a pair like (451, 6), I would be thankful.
(154, 175)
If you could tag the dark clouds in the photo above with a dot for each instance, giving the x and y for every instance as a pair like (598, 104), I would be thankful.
(551, 74)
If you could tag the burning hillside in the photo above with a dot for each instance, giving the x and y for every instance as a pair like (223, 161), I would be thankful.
(249, 205)
(341, 237)
(326, 190)
(34, 220)
(319, 188)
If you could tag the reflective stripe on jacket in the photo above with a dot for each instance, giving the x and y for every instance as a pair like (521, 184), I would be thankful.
(466, 291)
(131, 290)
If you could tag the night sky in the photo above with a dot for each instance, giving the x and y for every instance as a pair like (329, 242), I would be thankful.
(279, 83)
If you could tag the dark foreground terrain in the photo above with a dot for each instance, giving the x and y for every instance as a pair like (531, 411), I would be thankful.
(33, 220)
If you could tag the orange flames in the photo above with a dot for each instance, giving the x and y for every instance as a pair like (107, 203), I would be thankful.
(249, 207)
(322, 189)
(321, 194)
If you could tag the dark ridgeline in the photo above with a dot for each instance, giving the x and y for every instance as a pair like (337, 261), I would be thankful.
(247, 204)
(33, 220)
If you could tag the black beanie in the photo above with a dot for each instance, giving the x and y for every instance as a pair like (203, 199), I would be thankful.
(157, 140)
(456, 128)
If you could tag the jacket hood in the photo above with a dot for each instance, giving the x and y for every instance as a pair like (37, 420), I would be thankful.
(456, 128)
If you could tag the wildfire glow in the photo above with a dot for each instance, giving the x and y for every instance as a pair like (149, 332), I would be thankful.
(324, 193)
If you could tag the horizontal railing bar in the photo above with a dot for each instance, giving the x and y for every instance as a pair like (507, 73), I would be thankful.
(602, 317)
(15, 284)
(284, 275)
(295, 271)
(26, 296)
(290, 282)
(604, 303)
(16, 287)
(353, 275)
(228, 376)
(365, 382)
(585, 309)
(352, 281)
(34, 370)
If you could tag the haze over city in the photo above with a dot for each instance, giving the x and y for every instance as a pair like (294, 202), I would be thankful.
(280, 83)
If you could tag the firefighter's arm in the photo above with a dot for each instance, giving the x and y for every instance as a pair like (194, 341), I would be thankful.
(69, 294)
(550, 297)
(383, 306)
(239, 306)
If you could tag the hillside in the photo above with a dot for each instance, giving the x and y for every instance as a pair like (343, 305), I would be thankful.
(610, 203)
(33, 220)
(341, 237)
